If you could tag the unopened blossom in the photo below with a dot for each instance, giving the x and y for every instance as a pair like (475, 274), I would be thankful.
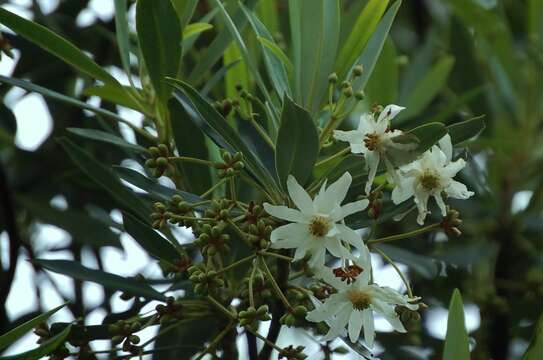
(317, 225)
(356, 301)
(431, 175)
(372, 138)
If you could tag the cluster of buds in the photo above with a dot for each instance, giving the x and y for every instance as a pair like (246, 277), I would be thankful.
(321, 291)
(212, 239)
(159, 216)
(292, 353)
(204, 281)
(258, 225)
(375, 206)
(294, 317)
(173, 310)
(158, 161)
(180, 207)
(123, 332)
(224, 107)
(252, 316)
(219, 210)
(410, 318)
(451, 222)
(347, 85)
(230, 165)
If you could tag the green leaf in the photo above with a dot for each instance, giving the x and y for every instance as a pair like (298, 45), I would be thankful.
(247, 58)
(361, 32)
(110, 281)
(297, 144)
(425, 135)
(383, 85)
(190, 141)
(195, 29)
(466, 130)
(84, 228)
(216, 127)
(456, 341)
(156, 245)
(119, 95)
(427, 88)
(104, 176)
(315, 54)
(27, 85)
(535, 349)
(44, 349)
(216, 49)
(277, 52)
(106, 137)
(159, 35)
(55, 45)
(237, 75)
(373, 49)
(121, 31)
(275, 64)
(185, 9)
(13, 335)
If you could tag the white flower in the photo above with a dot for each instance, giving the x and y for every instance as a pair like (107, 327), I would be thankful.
(372, 138)
(318, 224)
(356, 301)
(431, 175)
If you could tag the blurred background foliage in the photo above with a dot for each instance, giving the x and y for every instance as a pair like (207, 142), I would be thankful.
(445, 60)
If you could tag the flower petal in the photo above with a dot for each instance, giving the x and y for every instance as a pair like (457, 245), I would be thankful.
(390, 112)
(441, 204)
(369, 327)
(389, 314)
(326, 310)
(299, 196)
(403, 191)
(372, 162)
(326, 275)
(445, 145)
(458, 190)
(355, 325)
(452, 168)
(291, 234)
(353, 207)
(285, 213)
(350, 236)
(340, 188)
(421, 199)
(341, 320)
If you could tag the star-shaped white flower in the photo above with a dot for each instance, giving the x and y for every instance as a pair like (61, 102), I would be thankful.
(318, 224)
(355, 302)
(431, 175)
(372, 138)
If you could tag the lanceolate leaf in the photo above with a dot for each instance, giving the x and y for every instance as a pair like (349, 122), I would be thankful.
(44, 349)
(315, 55)
(456, 341)
(216, 127)
(11, 336)
(466, 130)
(121, 31)
(374, 46)
(105, 177)
(159, 35)
(111, 281)
(106, 137)
(425, 136)
(55, 45)
(149, 239)
(115, 94)
(297, 144)
(359, 35)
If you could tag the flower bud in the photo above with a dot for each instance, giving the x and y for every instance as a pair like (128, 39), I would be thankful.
(332, 78)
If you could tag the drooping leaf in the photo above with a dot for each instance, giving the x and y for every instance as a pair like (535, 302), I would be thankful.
(466, 130)
(278, 53)
(14, 334)
(318, 23)
(190, 142)
(106, 137)
(44, 349)
(105, 177)
(535, 349)
(55, 44)
(361, 32)
(108, 280)
(159, 35)
(456, 340)
(297, 144)
(121, 32)
(194, 29)
(156, 245)
(119, 95)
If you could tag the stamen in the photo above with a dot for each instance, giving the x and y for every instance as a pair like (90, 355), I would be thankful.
(348, 273)
(371, 141)
(319, 226)
(359, 299)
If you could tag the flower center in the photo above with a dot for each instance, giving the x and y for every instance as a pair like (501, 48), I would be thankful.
(371, 141)
(429, 181)
(319, 226)
(359, 299)
(348, 273)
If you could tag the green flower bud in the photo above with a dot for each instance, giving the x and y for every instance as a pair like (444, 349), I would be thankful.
(332, 78)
